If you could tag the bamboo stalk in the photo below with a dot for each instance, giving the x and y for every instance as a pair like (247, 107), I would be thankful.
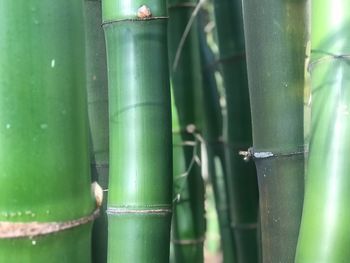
(212, 133)
(46, 204)
(276, 35)
(189, 221)
(97, 88)
(242, 175)
(187, 241)
(325, 232)
(140, 183)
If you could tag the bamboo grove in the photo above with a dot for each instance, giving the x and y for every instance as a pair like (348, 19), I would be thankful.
(126, 124)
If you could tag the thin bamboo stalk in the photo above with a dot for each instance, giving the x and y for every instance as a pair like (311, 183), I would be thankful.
(325, 229)
(276, 35)
(44, 157)
(189, 221)
(97, 90)
(140, 182)
(187, 242)
(212, 133)
(242, 175)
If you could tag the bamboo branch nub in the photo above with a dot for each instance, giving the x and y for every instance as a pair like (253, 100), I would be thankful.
(144, 12)
(97, 192)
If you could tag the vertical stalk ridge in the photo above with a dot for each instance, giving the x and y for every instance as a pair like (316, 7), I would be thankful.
(140, 182)
(324, 234)
(243, 190)
(276, 35)
(97, 91)
(44, 171)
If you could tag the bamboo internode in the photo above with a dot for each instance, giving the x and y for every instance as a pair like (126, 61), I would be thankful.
(325, 229)
(276, 34)
(44, 162)
(140, 182)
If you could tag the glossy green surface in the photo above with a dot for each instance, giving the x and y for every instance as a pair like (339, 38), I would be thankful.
(140, 140)
(44, 157)
(189, 221)
(64, 247)
(97, 89)
(276, 47)
(276, 34)
(242, 182)
(325, 229)
(139, 238)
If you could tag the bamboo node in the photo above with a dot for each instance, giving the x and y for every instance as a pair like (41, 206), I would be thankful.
(144, 12)
(247, 155)
(188, 241)
(191, 128)
(138, 210)
(32, 229)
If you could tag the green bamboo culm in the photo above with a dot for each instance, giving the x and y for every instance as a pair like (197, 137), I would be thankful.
(46, 206)
(276, 39)
(186, 244)
(140, 181)
(212, 133)
(97, 90)
(325, 233)
(188, 220)
(242, 181)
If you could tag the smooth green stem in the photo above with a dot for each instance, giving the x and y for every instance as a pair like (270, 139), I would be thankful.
(140, 182)
(276, 35)
(44, 155)
(325, 229)
(187, 237)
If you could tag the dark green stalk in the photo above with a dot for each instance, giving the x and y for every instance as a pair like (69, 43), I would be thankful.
(325, 228)
(242, 180)
(140, 182)
(212, 133)
(189, 221)
(276, 34)
(44, 158)
(97, 89)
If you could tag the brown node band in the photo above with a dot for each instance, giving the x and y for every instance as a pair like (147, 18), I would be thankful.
(32, 229)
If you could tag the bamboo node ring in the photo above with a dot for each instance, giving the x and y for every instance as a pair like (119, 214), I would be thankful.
(188, 241)
(247, 155)
(31, 229)
(251, 154)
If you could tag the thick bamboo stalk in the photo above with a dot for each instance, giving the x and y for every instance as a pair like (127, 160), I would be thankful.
(276, 34)
(242, 180)
(97, 88)
(212, 133)
(325, 228)
(189, 229)
(46, 204)
(140, 182)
